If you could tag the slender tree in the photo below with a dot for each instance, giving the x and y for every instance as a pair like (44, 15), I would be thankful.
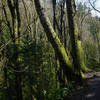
(76, 47)
(54, 40)
(16, 30)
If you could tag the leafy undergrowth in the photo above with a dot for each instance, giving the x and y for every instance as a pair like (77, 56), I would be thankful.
(61, 93)
(93, 65)
(73, 91)
(69, 92)
(96, 69)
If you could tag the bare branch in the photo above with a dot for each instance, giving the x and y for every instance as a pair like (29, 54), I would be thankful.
(93, 6)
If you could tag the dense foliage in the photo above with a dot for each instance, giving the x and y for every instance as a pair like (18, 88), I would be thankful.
(28, 61)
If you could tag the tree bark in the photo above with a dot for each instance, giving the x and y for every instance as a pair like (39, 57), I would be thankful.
(78, 60)
(16, 29)
(54, 40)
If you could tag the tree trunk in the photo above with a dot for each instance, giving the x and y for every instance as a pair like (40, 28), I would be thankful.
(54, 40)
(78, 60)
(16, 29)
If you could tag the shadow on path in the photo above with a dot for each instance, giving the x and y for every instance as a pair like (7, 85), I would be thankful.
(93, 92)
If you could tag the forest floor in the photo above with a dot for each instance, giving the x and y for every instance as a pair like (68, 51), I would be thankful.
(91, 88)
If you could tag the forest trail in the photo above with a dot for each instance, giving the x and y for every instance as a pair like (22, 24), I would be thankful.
(93, 92)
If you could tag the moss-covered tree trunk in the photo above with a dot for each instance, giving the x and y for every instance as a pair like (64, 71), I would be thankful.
(56, 59)
(76, 47)
(54, 40)
(16, 29)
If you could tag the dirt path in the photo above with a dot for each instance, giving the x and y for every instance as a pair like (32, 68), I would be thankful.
(93, 92)
(94, 82)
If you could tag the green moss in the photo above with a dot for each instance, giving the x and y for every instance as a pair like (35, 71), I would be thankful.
(79, 54)
(63, 51)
